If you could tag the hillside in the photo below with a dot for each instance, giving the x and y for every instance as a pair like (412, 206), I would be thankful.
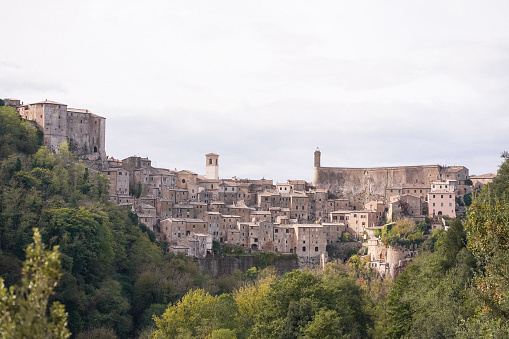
(115, 276)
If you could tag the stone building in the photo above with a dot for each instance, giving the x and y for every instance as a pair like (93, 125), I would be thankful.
(197, 245)
(119, 182)
(83, 130)
(317, 204)
(299, 206)
(284, 238)
(173, 229)
(479, 181)
(405, 205)
(360, 185)
(310, 244)
(267, 200)
(388, 260)
(333, 232)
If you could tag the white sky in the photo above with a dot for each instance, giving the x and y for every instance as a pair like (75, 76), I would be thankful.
(263, 83)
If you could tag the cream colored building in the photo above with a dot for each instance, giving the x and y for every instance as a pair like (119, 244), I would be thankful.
(309, 240)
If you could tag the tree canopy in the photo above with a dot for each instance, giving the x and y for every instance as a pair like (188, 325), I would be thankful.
(23, 307)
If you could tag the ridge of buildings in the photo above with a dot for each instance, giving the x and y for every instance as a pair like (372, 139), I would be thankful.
(189, 211)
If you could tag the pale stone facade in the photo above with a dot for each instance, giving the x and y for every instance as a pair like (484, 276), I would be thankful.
(83, 131)
(212, 166)
(405, 205)
(309, 240)
(360, 185)
(119, 182)
(479, 181)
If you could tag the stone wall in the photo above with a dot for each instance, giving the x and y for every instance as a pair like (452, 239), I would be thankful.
(361, 185)
(226, 265)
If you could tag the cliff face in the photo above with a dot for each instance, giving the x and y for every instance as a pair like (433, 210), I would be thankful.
(360, 185)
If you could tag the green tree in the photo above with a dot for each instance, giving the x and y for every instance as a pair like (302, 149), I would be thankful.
(24, 308)
(249, 299)
(326, 324)
(487, 229)
(302, 299)
(16, 136)
(430, 297)
(198, 314)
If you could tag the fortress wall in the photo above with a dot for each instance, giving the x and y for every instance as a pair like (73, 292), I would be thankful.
(360, 185)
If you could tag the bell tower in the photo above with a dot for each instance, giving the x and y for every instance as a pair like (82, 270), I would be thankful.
(212, 166)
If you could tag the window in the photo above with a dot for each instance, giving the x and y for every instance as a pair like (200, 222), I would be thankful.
(450, 204)
(441, 204)
(316, 249)
(304, 249)
(433, 204)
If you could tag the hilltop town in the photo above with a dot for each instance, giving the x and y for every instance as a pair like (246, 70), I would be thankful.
(190, 211)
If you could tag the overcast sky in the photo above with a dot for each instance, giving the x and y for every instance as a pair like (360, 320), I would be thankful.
(263, 83)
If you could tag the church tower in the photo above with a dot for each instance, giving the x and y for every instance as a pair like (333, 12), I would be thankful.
(212, 166)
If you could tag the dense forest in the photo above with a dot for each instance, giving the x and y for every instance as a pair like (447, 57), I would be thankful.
(116, 281)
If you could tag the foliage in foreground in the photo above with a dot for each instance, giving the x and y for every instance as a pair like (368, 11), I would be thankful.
(461, 290)
(297, 305)
(112, 273)
(23, 308)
